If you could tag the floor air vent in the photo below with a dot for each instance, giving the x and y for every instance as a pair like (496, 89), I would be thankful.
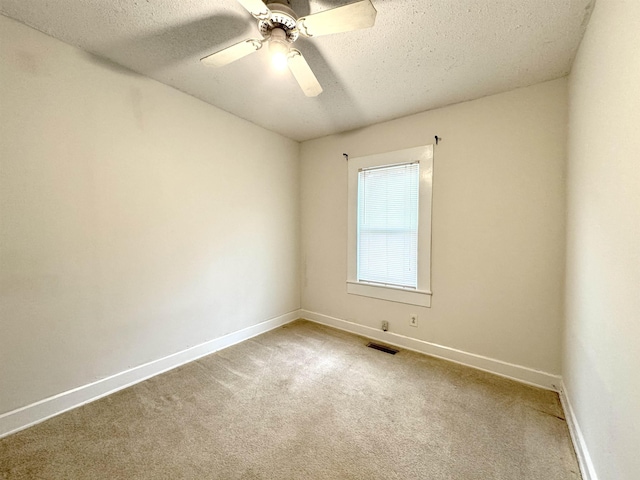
(382, 348)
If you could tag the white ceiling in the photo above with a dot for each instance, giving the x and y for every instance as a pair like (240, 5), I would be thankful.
(421, 54)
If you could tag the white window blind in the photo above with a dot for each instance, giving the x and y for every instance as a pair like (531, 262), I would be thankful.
(387, 235)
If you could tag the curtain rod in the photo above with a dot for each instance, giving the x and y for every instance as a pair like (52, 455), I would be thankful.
(346, 155)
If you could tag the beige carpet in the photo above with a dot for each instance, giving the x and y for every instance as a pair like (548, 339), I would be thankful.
(305, 402)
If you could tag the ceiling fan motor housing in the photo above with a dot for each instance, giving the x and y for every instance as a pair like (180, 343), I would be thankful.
(282, 17)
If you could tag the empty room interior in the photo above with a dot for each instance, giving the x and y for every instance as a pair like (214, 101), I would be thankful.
(321, 239)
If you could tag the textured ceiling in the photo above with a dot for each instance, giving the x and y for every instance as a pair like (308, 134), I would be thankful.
(421, 54)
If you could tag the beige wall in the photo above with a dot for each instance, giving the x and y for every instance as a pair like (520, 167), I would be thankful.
(602, 340)
(498, 225)
(135, 220)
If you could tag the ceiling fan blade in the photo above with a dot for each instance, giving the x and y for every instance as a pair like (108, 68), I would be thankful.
(353, 16)
(232, 53)
(303, 74)
(257, 8)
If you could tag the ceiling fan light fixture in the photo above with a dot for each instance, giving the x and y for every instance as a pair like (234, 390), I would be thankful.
(280, 60)
(279, 48)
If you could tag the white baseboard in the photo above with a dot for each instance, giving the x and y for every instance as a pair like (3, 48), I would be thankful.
(579, 445)
(515, 372)
(37, 412)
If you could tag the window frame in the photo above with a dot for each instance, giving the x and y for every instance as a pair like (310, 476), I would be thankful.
(420, 296)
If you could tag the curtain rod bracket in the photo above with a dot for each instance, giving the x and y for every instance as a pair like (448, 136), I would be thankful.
(346, 156)
(438, 139)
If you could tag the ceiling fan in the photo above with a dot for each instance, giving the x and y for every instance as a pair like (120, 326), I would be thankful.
(280, 27)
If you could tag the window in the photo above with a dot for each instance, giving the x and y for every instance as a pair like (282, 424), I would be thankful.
(390, 226)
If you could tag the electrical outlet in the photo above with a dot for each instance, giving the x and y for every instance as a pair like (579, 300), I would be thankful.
(413, 320)
(385, 325)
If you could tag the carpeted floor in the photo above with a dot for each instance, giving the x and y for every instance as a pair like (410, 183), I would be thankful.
(305, 402)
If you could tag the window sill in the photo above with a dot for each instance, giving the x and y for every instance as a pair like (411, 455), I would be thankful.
(400, 295)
